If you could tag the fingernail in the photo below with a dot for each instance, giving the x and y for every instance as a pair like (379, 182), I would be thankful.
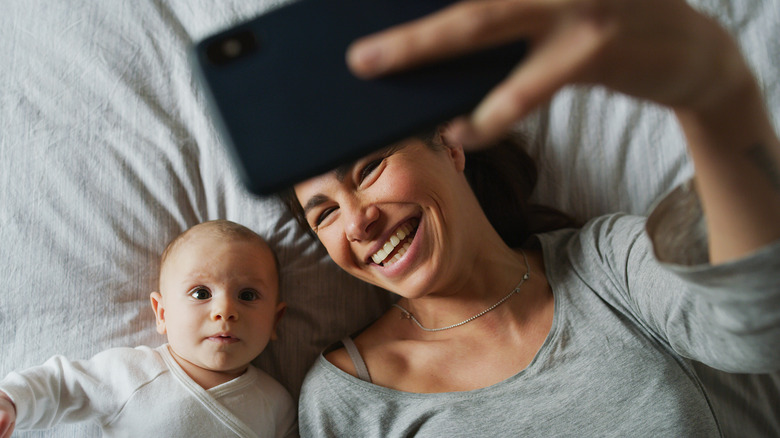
(365, 59)
(462, 131)
(486, 111)
(494, 116)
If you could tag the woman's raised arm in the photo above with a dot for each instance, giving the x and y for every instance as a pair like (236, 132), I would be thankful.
(658, 50)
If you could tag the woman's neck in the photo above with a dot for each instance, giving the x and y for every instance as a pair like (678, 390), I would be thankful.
(486, 278)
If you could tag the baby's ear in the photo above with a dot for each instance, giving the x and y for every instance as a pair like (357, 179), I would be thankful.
(281, 308)
(159, 311)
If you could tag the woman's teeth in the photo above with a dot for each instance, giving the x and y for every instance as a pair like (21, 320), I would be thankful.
(400, 234)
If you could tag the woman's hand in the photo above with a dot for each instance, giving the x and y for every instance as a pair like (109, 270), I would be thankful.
(7, 416)
(661, 50)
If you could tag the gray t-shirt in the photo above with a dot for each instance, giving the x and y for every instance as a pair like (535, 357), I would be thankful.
(616, 361)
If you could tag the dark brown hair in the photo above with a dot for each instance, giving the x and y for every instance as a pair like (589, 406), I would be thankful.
(502, 177)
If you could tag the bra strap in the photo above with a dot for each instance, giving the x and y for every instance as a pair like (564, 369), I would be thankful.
(357, 359)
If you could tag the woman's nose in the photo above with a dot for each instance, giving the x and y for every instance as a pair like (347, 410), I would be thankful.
(224, 309)
(360, 221)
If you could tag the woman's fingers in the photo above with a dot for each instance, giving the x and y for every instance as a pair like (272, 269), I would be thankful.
(566, 56)
(456, 30)
(462, 28)
(661, 50)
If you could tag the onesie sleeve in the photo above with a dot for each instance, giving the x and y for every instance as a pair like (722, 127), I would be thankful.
(66, 391)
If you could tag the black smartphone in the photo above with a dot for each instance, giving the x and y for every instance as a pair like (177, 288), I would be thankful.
(288, 108)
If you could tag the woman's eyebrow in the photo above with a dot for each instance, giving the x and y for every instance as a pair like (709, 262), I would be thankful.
(342, 171)
(313, 202)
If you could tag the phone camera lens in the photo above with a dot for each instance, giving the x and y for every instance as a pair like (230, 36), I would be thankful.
(232, 47)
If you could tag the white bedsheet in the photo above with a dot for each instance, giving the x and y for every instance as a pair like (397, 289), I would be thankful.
(106, 153)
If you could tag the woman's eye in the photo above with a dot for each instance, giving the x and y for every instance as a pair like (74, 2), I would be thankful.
(200, 293)
(323, 215)
(369, 168)
(248, 295)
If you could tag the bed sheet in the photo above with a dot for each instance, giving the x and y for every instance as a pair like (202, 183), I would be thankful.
(108, 153)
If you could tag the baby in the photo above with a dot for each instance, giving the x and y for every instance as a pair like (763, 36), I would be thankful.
(219, 306)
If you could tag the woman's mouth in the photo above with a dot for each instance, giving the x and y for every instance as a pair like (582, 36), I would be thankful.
(397, 245)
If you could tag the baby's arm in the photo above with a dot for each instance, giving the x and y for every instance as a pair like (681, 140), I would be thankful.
(70, 391)
(61, 391)
(7, 415)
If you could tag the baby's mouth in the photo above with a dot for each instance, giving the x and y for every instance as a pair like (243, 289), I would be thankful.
(223, 338)
(397, 245)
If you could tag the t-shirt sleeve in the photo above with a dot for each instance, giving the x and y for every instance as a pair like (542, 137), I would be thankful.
(726, 316)
(742, 297)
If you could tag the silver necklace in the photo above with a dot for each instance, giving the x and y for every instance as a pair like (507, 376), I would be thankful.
(408, 315)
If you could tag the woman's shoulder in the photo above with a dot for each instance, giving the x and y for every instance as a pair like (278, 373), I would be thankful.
(374, 339)
(598, 241)
(333, 370)
(339, 357)
(374, 335)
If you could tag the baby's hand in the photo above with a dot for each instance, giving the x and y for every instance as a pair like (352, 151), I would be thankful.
(7, 416)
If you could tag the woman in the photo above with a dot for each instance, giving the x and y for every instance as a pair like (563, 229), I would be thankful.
(580, 332)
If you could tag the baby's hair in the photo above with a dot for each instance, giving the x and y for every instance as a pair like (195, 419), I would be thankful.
(220, 228)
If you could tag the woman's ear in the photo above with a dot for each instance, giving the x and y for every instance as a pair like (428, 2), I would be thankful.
(159, 311)
(453, 147)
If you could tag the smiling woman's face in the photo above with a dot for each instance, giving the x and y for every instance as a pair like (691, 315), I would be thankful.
(397, 218)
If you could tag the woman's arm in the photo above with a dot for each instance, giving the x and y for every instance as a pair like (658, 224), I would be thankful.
(736, 155)
(659, 50)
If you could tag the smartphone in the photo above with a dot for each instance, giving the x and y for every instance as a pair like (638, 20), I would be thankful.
(289, 109)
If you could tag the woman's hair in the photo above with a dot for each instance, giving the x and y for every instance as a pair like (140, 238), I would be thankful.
(502, 177)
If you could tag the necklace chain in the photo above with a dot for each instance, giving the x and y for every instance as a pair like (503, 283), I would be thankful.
(407, 314)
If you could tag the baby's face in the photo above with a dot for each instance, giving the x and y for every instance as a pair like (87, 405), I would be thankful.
(219, 303)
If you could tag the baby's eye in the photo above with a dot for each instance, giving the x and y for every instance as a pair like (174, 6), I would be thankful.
(248, 295)
(200, 293)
